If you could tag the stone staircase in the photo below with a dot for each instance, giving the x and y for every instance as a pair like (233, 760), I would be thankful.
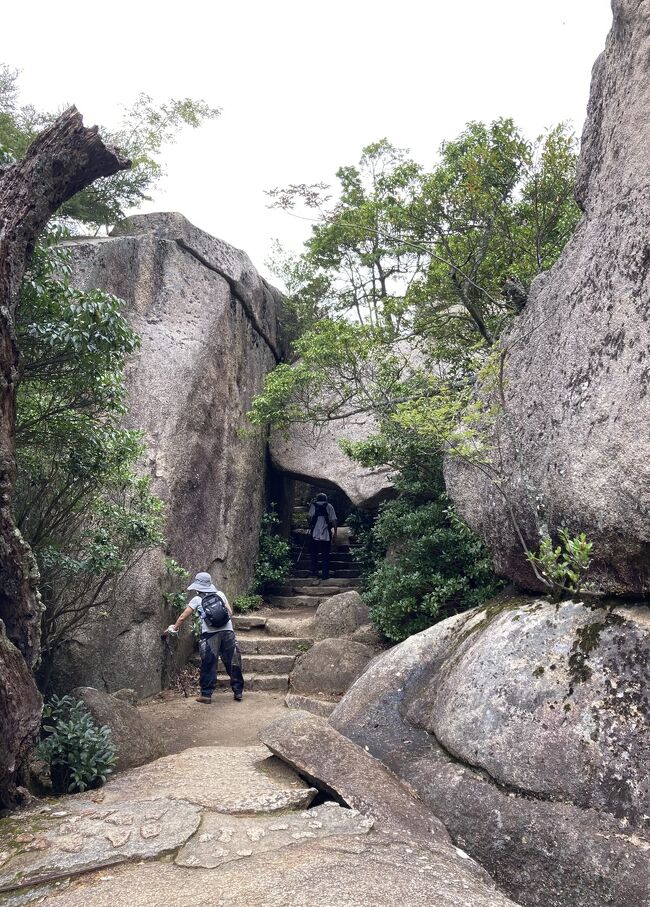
(271, 639)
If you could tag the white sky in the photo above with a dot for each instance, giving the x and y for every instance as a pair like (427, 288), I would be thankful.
(304, 85)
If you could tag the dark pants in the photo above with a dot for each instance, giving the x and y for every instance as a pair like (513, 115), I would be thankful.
(322, 548)
(223, 643)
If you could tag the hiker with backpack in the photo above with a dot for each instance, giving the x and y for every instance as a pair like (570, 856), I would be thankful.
(322, 530)
(217, 636)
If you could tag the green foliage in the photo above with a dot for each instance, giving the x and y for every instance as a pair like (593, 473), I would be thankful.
(427, 565)
(80, 754)
(80, 502)
(243, 604)
(274, 558)
(145, 129)
(564, 567)
(411, 276)
(176, 577)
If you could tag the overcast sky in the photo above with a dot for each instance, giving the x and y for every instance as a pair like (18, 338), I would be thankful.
(304, 85)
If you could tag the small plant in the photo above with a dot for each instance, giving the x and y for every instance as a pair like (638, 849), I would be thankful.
(563, 567)
(80, 754)
(175, 576)
(245, 603)
(274, 559)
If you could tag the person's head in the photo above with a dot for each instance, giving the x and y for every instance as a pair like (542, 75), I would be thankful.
(202, 584)
(321, 498)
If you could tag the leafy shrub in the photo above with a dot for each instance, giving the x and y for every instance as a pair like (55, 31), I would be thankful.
(274, 559)
(79, 752)
(565, 566)
(245, 603)
(435, 567)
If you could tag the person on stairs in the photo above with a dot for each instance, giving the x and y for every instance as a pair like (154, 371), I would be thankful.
(217, 636)
(322, 530)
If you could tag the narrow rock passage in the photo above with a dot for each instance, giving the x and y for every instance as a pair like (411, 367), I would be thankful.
(222, 822)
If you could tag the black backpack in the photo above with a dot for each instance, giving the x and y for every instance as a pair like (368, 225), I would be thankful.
(214, 611)
(320, 509)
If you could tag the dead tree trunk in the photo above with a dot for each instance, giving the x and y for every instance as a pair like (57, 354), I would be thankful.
(62, 160)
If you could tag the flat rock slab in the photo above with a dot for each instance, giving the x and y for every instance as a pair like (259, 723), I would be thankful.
(224, 779)
(74, 836)
(341, 871)
(322, 707)
(341, 768)
(222, 839)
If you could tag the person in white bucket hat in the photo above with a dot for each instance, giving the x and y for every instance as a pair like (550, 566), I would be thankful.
(217, 636)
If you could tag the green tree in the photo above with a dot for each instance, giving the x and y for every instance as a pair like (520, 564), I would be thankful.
(416, 274)
(80, 500)
(146, 127)
(80, 503)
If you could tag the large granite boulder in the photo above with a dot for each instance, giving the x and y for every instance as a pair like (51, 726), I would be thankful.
(524, 726)
(340, 615)
(574, 450)
(330, 667)
(209, 327)
(136, 740)
(312, 454)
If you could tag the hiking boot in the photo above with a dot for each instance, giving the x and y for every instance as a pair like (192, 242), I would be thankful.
(237, 697)
(206, 699)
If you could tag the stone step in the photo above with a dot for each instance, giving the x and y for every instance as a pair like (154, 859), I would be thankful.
(319, 591)
(296, 627)
(256, 683)
(292, 602)
(248, 621)
(344, 557)
(322, 707)
(268, 664)
(353, 573)
(346, 583)
(259, 644)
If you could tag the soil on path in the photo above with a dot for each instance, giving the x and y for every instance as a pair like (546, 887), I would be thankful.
(184, 723)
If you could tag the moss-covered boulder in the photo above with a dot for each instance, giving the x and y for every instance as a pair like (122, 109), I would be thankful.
(525, 726)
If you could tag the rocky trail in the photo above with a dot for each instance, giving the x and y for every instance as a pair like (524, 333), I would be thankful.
(228, 824)
(221, 821)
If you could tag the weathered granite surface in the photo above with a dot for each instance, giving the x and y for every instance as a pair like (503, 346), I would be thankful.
(312, 454)
(525, 727)
(220, 778)
(573, 440)
(210, 332)
(330, 666)
(140, 841)
(20, 717)
(224, 839)
(340, 871)
(70, 836)
(339, 615)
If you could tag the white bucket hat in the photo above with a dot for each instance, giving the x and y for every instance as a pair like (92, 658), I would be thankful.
(202, 583)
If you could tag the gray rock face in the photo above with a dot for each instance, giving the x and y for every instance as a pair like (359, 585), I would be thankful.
(209, 330)
(225, 779)
(339, 615)
(330, 667)
(73, 836)
(339, 767)
(224, 839)
(312, 454)
(135, 739)
(20, 716)
(341, 870)
(525, 728)
(573, 435)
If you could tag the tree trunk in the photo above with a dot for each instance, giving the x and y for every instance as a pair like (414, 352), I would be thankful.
(61, 161)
